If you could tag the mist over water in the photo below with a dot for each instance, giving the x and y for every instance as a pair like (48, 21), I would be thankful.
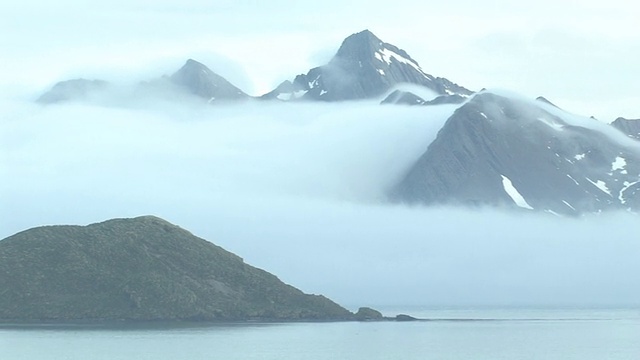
(299, 190)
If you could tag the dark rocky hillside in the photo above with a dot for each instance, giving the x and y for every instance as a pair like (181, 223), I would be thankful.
(502, 151)
(141, 269)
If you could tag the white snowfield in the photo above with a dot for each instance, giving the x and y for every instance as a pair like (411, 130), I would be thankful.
(601, 185)
(514, 194)
(619, 164)
(385, 55)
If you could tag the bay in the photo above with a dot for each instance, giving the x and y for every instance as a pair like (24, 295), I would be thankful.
(449, 334)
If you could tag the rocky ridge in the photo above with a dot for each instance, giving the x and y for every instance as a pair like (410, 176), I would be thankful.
(141, 269)
(507, 152)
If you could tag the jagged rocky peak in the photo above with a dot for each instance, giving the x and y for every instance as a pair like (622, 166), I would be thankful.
(75, 89)
(364, 67)
(364, 45)
(201, 81)
(631, 127)
(502, 151)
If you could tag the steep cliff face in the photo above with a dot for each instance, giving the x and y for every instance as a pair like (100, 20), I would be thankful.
(141, 269)
(502, 151)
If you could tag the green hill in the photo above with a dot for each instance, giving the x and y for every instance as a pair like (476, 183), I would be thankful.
(141, 269)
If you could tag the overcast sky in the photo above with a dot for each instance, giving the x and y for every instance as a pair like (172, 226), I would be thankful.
(299, 189)
(580, 54)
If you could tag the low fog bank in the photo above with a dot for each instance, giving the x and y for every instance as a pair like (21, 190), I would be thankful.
(392, 255)
(573, 119)
(344, 152)
(298, 189)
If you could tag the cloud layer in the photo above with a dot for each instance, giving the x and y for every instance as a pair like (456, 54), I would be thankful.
(299, 190)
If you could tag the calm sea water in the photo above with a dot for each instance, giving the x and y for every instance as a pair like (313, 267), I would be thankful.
(453, 334)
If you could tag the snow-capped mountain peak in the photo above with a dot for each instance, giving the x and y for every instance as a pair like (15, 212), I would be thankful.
(364, 67)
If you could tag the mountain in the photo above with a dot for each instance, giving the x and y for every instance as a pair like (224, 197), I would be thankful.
(501, 151)
(364, 67)
(192, 79)
(399, 97)
(630, 127)
(76, 89)
(141, 269)
(199, 80)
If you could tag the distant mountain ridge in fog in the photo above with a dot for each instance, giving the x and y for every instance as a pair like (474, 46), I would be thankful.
(69, 90)
(364, 67)
(192, 79)
(199, 80)
(141, 269)
(494, 150)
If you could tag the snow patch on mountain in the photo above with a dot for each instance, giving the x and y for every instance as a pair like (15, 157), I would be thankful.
(291, 96)
(601, 185)
(313, 83)
(569, 205)
(619, 164)
(574, 180)
(385, 55)
(627, 185)
(514, 194)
